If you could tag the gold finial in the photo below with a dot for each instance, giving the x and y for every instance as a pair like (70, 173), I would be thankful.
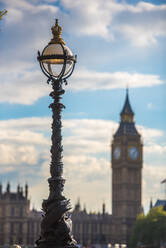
(57, 31)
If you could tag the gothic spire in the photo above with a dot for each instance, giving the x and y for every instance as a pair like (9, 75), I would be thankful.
(127, 125)
(127, 114)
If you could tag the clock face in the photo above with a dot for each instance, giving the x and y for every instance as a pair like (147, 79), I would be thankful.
(133, 153)
(117, 152)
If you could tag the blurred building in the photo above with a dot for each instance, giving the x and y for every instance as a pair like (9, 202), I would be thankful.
(91, 228)
(18, 224)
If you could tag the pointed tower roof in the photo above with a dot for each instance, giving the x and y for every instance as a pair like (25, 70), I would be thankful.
(127, 125)
(127, 107)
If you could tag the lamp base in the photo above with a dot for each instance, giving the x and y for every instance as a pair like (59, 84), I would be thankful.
(46, 244)
(51, 245)
(56, 226)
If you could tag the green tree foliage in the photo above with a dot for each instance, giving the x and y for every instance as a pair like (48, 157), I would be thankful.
(2, 13)
(150, 229)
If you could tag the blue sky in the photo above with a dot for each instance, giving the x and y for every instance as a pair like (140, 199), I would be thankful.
(119, 44)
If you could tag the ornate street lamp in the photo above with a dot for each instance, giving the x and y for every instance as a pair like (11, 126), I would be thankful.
(57, 63)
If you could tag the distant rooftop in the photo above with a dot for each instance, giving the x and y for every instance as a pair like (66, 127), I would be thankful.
(160, 203)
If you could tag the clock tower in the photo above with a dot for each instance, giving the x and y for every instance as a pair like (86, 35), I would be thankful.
(126, 175)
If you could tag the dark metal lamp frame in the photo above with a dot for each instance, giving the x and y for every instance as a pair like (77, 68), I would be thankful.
(64, 56)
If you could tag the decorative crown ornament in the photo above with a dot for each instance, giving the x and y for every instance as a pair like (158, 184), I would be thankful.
(57, 31)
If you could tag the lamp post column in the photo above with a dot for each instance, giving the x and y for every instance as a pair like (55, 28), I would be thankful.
(56, 225)
(56, 166)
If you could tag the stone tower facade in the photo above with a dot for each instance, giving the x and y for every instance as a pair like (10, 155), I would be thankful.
(126, 174)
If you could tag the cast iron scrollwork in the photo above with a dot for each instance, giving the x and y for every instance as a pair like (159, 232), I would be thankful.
(56, 226)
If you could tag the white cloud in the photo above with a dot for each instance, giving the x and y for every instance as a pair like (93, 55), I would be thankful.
(92, 80)
(24, 85)
(150, 134)
(22, 142)
(154, 146)
(25, 136)
(15, 16)
(155, 149)
(19, 4)
(89, 18)
(109, 18)
(31, 124)
(17, 154)
(140, 35)
(31, 8)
